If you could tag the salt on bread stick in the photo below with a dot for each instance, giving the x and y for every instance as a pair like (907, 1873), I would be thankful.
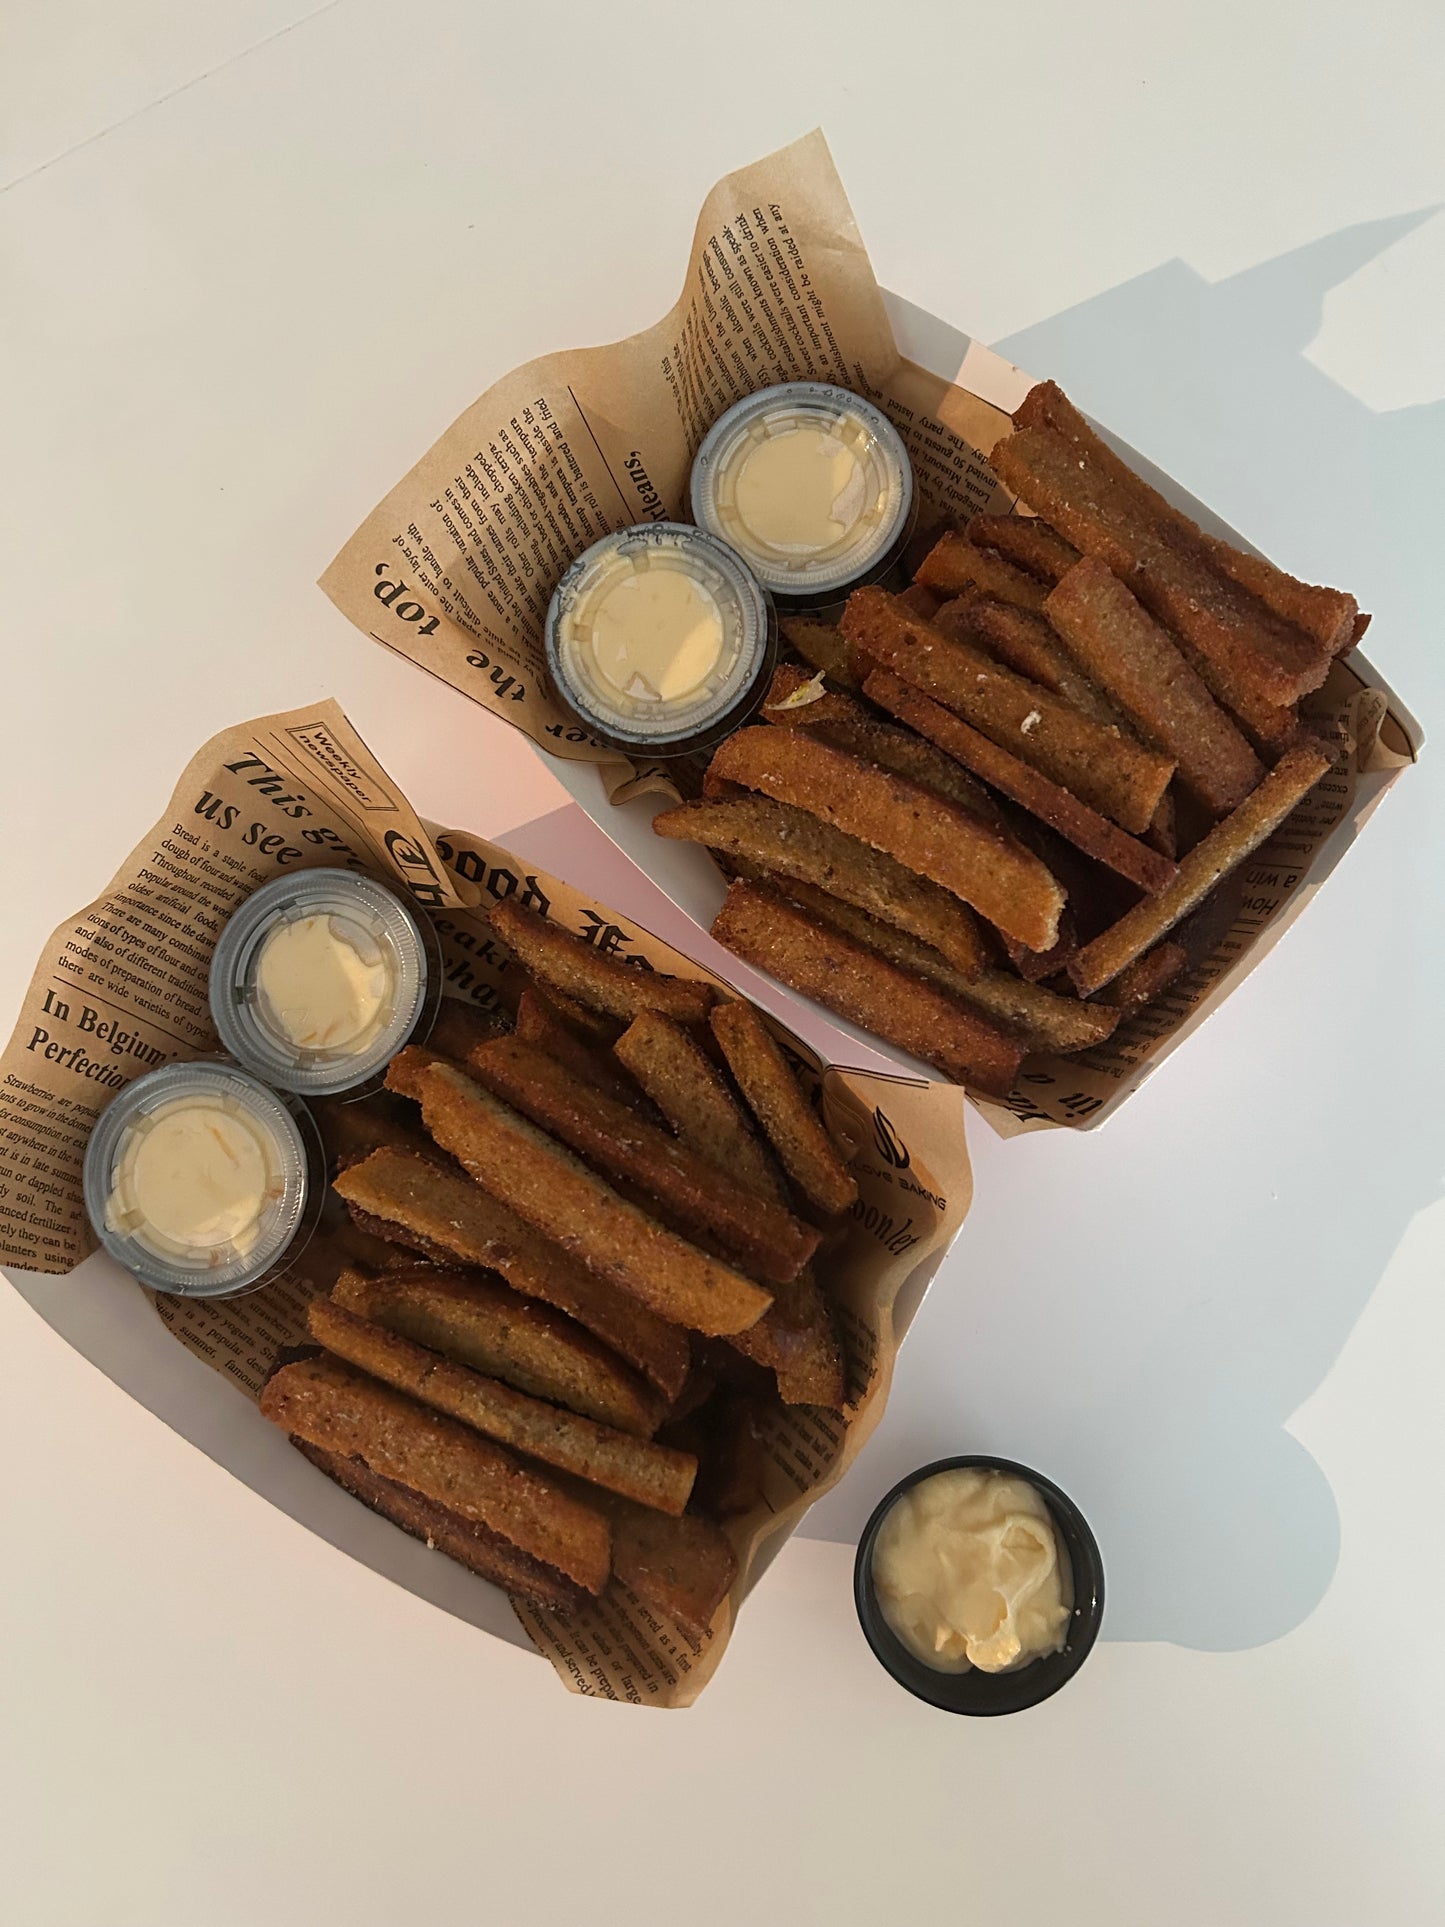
(342, 1411)
(684, 1190)
(639, 1469)
(448, 1216)
(470, 1317)
(982, 864)
(1024, 642)
(1117, 642)
(1085, 828)
(557, 1195)
(1227, 844)
(602, 983)
(792, 842)
(694, 1097)
(1103, 767)
(777, 1100)
(1329, 617)
(1037, 1017)
(844, 976)
(1027, 541)
(488, 1554)
(849, 725)
(953, 565)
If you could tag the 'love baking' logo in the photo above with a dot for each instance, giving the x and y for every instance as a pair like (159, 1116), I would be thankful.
(891, 1147)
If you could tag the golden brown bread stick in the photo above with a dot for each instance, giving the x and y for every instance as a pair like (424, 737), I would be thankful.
(636, 1468)
(697, 1199)
(849, 725)
(1140, 982)
(858, 984)
(602, 983)
(1120, 645)
(558, 1196)
(539, 1022)
(1227, 844)
(694, 1097)
(1330, 617)
(953, 565)
(1103, 766)
(480, 1550)
(452, 1217)
(1095, 835)
(781, 1106)
(1250, 649)
(470, 1317)
(682, 1568)
(791, 842)
(821, 647)
(1037, 1017)
(1025, 643)
(1027, 541)
(796, 1340)
(342, 1411)
(985, 866)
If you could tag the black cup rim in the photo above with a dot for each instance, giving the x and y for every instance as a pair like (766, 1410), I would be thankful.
(985, 1695)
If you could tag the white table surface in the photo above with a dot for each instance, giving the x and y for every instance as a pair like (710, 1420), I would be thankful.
(252, 258)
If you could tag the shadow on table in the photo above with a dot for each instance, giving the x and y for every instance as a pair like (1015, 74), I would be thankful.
(1153, 1373)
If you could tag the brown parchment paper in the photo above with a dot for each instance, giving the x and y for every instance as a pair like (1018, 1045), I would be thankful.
(455, 567)
(122, 988)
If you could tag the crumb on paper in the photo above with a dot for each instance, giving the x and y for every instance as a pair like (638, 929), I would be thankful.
(1031, 721)
(809, 692)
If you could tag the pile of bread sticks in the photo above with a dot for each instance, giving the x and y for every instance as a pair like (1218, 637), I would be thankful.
(586, 1258)
(985, 817)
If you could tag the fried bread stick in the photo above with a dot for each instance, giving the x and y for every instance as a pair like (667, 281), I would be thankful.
(1330, 617)
(1025, 643)
(468, 1316)
(557, 1194)
(1148, 977)
(695, 1197)
(1095, 835)
(682, 1568)
(449, 1216)
(579, 971)
(636, 1468)
(1228, 843)
(1249, 648)
(342, 1411)
(1039, 1018)
(794, 843)
(797, 1342)
(978, 862)
(821, 647)
(694, 1098)
(848, 725)
(1099, 763)
(540, 1023)
(1025, 540)
(480, 1550)
(764, 929)
(1126, 652)
(953, 565)
(777, 1100)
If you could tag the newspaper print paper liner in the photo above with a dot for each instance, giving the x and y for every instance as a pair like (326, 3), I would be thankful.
(454, 567)
(122, 986)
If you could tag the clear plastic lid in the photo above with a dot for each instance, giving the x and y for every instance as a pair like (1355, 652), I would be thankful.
(319, 979)
(660, 639)
(810, 484)
(199, 1180)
